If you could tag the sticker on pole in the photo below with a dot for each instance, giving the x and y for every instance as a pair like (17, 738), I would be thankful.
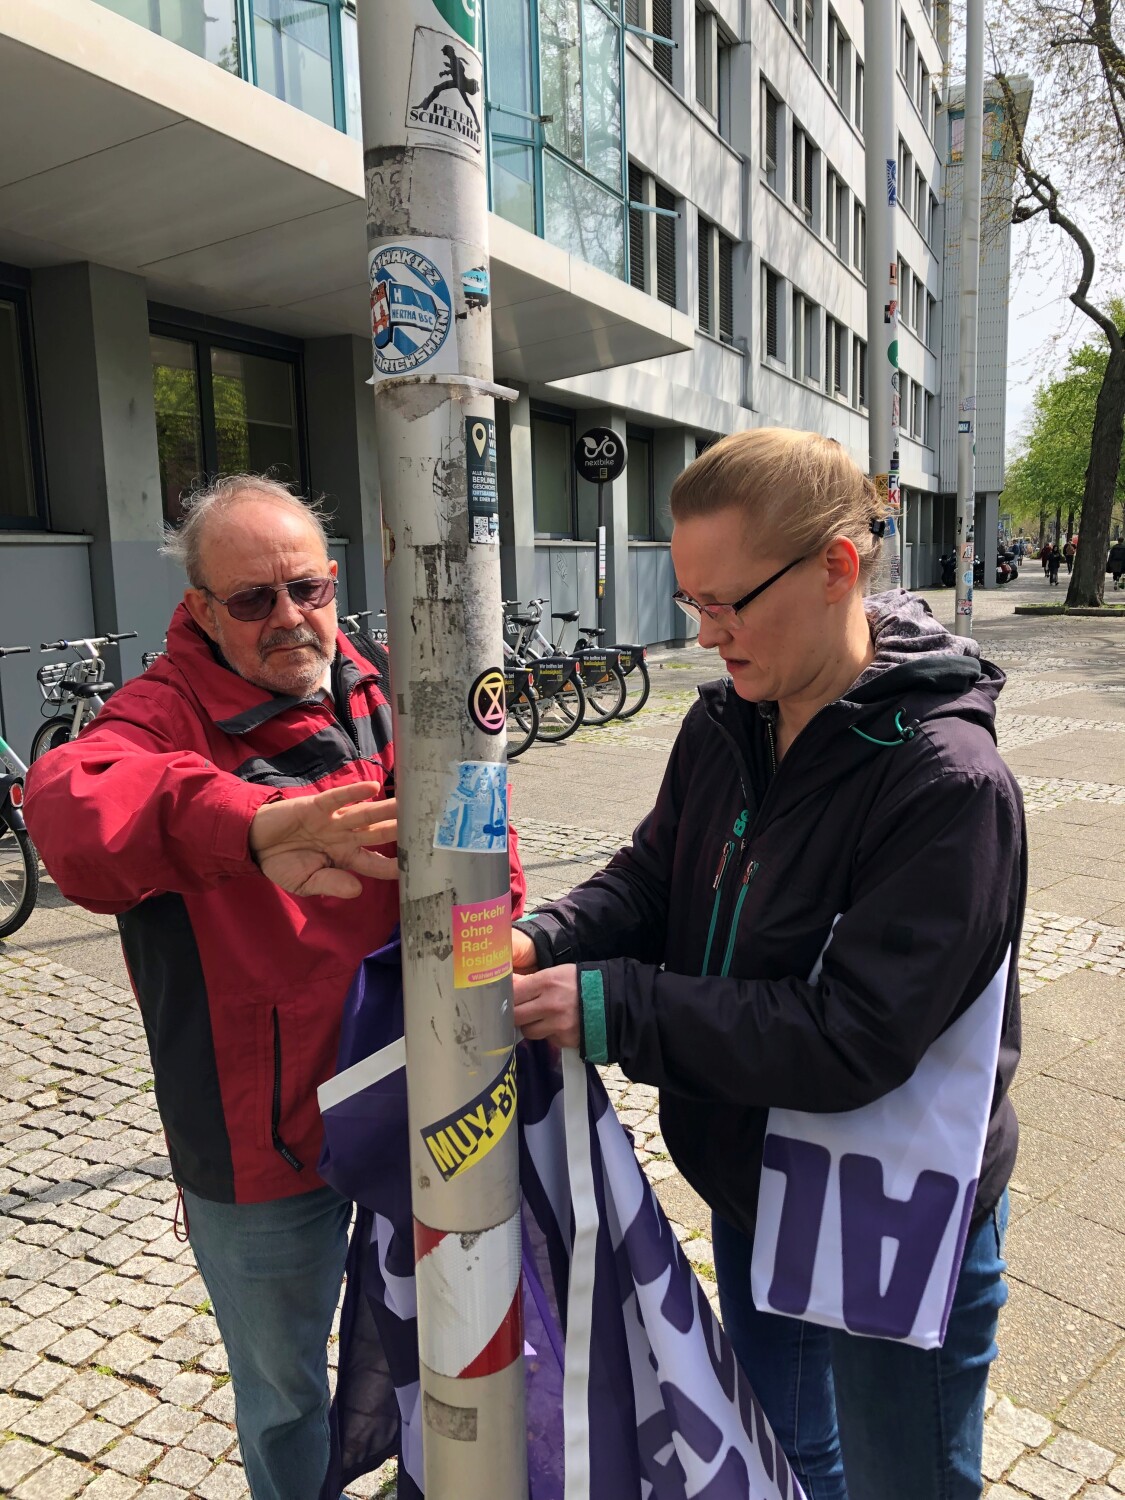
(600, 455)
(487, 707)
(480, 466)
(445, 99)
(463, 16)
(475, 817)
(482, 942)
(964, 426)
(465, 1137)
(892, 182)
(411, 309)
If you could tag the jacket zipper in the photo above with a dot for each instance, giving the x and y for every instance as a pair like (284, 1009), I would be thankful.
(717, 884)
(275, 1119)
(747, 880)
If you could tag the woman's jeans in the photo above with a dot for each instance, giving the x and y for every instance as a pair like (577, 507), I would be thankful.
(870, 1418)
(274, 1271)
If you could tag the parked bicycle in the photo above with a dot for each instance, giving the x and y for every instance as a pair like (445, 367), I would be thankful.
(633, 662)
(19, 863)
(74, 692)
(556, 682)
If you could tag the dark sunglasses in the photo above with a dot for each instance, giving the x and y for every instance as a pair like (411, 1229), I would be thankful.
(723, 613)
(257, 603)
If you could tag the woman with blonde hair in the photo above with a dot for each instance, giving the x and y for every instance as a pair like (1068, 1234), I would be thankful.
(810, 947)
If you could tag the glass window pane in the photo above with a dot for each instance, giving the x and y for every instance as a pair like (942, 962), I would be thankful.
(582, 217)
(560, 53)
(255, 415)
(513, 183)
(353, 115)
(552, 467)
(639, 477)
(179, 427)
(17, 480)
(293, 56)
(206, 27)
(601, 93)
(509, 65)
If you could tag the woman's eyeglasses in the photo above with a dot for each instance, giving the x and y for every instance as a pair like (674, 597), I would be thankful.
(257, 603)
(723, 614)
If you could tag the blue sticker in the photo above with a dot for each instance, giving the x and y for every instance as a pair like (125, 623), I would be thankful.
(892, 182)
(476, 286)
(411, 309)
(475, 817)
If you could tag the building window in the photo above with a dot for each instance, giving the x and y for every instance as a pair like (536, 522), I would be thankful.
(838, 63)
(931, 322)
(920, 199)
(703, 264)
(712, 68)
(771, 301)
(806, 348)
(637, 216)
(771, 112)
(859, 372)
(21, 483)
(923, 96)
(917, 305)
(724, 56)
(639, 485)
(726, 287)
(805, 171)
(905, 176)
(916, 410)
(857, 117)
(565, 179)
(293, 54)
(552, 474)
(667, 276)
(932, 224)
(804, 24)
(930, 436)
(662, 26)
(835, 357)
(903, 291)
(836, 213)
(859, 239)
(906, 53)
(222, 408)
(635, 13)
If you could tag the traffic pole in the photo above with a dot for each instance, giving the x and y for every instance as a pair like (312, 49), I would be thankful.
(971, 154)
(428, 274)
(883, 290)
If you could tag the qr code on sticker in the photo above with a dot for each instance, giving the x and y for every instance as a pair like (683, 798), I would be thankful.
(481, 529)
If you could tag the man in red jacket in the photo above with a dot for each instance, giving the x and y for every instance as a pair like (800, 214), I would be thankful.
(224, 806)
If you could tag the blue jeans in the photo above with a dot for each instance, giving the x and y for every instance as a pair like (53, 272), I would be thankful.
(274, 1271)
(871, 1418)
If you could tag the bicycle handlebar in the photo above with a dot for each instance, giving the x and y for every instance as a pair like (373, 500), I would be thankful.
(121, 635)
(92, 641)
(14, 650)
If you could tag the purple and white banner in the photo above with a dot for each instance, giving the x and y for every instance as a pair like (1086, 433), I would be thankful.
(632, 1387)
(863, 1215)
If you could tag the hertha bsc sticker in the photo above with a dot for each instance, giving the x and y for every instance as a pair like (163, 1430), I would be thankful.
(411, 309)
(446, 101)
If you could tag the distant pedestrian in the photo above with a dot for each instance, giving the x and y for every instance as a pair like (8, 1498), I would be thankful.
(1054, 562)
(1045, 557)
(1068, 552)
(1116, 563)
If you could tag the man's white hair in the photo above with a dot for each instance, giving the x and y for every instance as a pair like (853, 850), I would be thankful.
(184, 543)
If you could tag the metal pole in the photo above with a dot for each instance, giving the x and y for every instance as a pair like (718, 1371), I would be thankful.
(971, 154)
(883, 291)
(428, 273)
(600, 590)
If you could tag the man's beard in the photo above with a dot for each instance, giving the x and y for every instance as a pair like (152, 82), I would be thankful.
(300, 679)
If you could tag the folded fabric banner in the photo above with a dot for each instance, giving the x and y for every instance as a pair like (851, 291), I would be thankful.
(632, 1387)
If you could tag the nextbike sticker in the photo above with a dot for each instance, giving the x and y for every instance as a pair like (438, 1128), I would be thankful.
(467, 1136)
(411, 308)
(482, 942)
(475, 816)
(445, 99)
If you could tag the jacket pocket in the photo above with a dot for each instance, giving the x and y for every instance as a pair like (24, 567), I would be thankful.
(275, 1103)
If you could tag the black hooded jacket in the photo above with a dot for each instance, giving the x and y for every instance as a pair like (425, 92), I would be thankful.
(892, 811)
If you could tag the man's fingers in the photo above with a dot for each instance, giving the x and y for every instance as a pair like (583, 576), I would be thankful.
(343, 796)
(332, 883)
(378, 866)
(376, 822)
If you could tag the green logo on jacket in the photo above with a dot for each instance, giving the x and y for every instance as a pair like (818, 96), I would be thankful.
(463, 16)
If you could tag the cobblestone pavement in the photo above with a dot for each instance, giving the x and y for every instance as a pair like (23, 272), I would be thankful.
(113, 1380)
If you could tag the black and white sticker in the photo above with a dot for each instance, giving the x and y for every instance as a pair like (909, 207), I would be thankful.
(446, 98)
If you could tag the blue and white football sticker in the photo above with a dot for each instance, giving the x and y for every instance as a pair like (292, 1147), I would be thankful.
(411, 308)
(475, 817)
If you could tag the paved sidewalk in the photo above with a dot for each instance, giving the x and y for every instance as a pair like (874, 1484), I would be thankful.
(112, 1377)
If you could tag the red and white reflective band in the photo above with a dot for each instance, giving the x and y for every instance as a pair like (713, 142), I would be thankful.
(469, 1319)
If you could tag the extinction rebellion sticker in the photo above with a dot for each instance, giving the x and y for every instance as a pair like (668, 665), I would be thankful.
(411, 308)
(445, 95)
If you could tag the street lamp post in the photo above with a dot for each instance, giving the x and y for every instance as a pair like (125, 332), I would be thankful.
(428, 273)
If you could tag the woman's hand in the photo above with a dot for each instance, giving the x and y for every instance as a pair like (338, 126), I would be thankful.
(546, 1005)
(524, 959)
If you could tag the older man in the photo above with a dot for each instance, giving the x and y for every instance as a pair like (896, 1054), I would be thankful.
(223, 806)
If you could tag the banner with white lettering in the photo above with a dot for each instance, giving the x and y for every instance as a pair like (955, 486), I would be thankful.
(863, 1215)
(632, 1387)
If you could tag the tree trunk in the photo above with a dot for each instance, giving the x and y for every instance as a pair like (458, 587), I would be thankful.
(1042, 534)
(1070, 523)
(1087, 582)
(1058, 525)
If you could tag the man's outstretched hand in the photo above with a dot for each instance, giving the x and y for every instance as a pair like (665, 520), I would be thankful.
(319, 845)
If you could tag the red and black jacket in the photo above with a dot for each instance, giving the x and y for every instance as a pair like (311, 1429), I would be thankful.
(241, 985)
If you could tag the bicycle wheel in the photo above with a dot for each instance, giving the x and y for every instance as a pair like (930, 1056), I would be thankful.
(562, 710)
(50, 736)
(605, 693)
(638, 684)
(19, 878)
(523, 722)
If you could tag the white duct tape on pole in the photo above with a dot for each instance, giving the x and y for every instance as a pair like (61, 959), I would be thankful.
(469, 1321)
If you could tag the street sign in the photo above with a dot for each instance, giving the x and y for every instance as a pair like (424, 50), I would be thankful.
(600, 455)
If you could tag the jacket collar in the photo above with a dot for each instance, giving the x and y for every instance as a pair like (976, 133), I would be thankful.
(234, 705)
